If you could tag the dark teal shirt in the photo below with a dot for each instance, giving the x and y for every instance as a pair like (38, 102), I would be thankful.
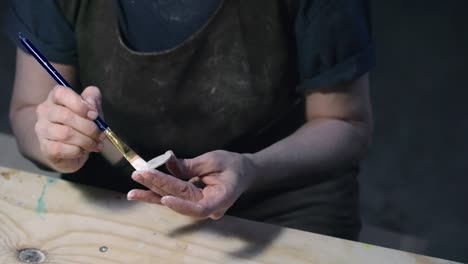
(333, 37)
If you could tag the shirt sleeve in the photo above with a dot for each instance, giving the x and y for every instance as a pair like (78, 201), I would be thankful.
(43, 23)
(334, 42)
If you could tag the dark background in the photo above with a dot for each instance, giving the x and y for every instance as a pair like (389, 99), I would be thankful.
(414, 181)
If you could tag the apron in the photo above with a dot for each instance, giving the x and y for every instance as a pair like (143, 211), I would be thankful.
(230, 86)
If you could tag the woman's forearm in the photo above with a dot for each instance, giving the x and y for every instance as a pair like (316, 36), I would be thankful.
(22, 121)
(318, 147)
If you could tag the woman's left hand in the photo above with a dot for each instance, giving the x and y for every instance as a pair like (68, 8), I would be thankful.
(224, 176)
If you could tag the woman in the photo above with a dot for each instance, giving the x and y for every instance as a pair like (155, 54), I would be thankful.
(267, 101)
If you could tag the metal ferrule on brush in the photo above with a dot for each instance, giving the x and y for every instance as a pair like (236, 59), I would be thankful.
(136, 161)
(126, 151)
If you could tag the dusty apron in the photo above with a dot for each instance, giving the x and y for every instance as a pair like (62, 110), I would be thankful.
(229, 86)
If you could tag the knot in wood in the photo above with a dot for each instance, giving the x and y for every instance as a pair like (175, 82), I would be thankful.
(31, 255)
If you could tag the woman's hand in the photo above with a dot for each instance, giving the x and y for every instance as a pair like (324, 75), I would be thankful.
(65, 127)
(224, 176)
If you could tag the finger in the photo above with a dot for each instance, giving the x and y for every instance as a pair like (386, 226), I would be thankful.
(210, 162)
(144, 196)
(67, 135)
(167, 185)
(138, 177)
(218, 215)
(61, 95)
(178, 167)
(65, 116)
(197, 182)
(92, 95)
(58, 151)
(186, 207)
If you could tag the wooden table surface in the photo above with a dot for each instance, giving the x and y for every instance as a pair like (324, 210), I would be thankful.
(72, 223)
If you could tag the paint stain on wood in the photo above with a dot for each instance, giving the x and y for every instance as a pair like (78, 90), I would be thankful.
(7, 174)
(41, 207)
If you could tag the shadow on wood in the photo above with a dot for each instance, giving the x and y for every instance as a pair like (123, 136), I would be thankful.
(255, 242)
(100, 198)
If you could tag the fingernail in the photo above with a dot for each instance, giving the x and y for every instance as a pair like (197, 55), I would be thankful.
(102, 137)
(136, 176)
(131, 195)
(92, 115)
(165, 199)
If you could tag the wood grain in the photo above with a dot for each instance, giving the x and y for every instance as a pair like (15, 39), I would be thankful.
(70, 223)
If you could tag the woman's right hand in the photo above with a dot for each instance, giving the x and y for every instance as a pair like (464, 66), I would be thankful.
(65, 127)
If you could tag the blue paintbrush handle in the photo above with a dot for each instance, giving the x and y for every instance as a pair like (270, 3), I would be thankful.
(53, 72)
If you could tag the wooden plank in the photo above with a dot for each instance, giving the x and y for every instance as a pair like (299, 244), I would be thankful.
(72, 223)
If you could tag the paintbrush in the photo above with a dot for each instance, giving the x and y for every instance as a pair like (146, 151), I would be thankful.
(131, 156)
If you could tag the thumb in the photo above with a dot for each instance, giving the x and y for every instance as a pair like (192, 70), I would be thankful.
(189, 168)
(178, 167)
(92, 95)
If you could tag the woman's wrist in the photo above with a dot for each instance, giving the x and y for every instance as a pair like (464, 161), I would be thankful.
(253, 172)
